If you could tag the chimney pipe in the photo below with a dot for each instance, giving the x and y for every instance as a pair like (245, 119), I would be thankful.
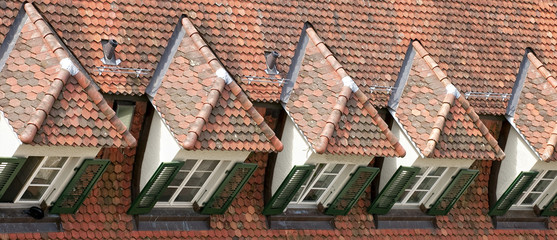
(271, 58)
(109, 47)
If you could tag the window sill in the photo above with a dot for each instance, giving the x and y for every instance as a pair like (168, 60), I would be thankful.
(520, 219)
(296, 218)
(172, 219)
(404, 218)
(14, 220)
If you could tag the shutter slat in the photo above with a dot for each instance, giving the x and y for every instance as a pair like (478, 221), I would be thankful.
(288, 189)
(550, 208)
(229, 188)
(153, 189)
(352, 191)
(511, 195)
(9, 167)
(79, 186)
(453, 191)
(393, 190)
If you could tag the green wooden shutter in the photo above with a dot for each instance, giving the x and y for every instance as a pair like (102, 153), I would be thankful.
(452, 193)
(154, 188)
(352, 191)
(288, 189)
(393, 190)
(9, 167)
(517, 187)
(551, 208)
(79, 187)
(229, 188)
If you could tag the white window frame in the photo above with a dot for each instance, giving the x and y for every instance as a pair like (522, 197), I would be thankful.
(205, 190)
(335, 185)
(54, 189)
(442, 181)
(544, 196)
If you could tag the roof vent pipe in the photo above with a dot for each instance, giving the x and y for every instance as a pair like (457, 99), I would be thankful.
(271, 58)
(109, 47)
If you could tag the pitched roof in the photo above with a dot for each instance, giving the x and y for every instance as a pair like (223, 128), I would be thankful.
(201, 104)
(330, 110)
(438, 119)
(46, 98)
(535, 115)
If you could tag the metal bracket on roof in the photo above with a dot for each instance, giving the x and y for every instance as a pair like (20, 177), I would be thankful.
(386, 89)
(487, 95)
(120, 70)
(250, 79)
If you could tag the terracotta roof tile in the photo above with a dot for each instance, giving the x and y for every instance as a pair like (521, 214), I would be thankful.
(331, 117)
(44, 107)
(212, 114)
(440, 124)
(534, 115)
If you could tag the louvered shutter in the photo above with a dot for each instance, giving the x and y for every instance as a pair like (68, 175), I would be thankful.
(9, 167)
(551, 208)
(352, 190)
(509, 197)
(452, 193)
(154, 188)
(79, 186)
(288, 189)
(229, 188)
(393, 190)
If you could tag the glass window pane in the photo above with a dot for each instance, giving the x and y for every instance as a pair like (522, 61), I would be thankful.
(416, 197)
(334, 168)
(438, 171)
(542, 185)
(413, 181)
(55, 162)
(167, 194)
(531, 198)
(187, 194)
(403, 196)
(324, 181)
(180, 176)
(33, 193)
(297, 195)
(207, 165)
(427, 183)
(188, 165)
(550, 174)
(198, 179)
(313, 195)
(45, 176)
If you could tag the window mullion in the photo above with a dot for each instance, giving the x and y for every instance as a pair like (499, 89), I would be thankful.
(530, 189)
(418, 182)
(311, 184)
(200, 193)
(186, 179)
(326, 190)
(29, 180)
(305, 186)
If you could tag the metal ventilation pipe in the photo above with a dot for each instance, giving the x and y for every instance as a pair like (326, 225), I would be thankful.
(271, 58)
(109, 47)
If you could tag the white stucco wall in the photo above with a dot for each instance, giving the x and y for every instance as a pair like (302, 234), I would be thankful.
(518, 157)
(296, 152)
(391, 164)
(8, 138)
(161, 147)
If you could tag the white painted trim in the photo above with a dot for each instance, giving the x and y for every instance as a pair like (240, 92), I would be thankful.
(26, 150)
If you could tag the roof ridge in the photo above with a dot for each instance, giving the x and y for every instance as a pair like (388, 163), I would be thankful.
(341, 104)
(223, 79)
(68, 68)
(463, 101)
(552, 141)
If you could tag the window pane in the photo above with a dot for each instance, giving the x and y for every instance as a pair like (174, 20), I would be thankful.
(413, 181)
(45, 176)
(33, 193)
(438, 171)
(313, 195)
(187, 194)
(542, 185)
(198, 179)
(167, 194)
(403, 196)
(334, 168)
(55, 162)
(531, 198)
(207, 165)
(188, 165)
(550, 174)
(427, 183)
(180, 176)
(324, 181)
(417, 196)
